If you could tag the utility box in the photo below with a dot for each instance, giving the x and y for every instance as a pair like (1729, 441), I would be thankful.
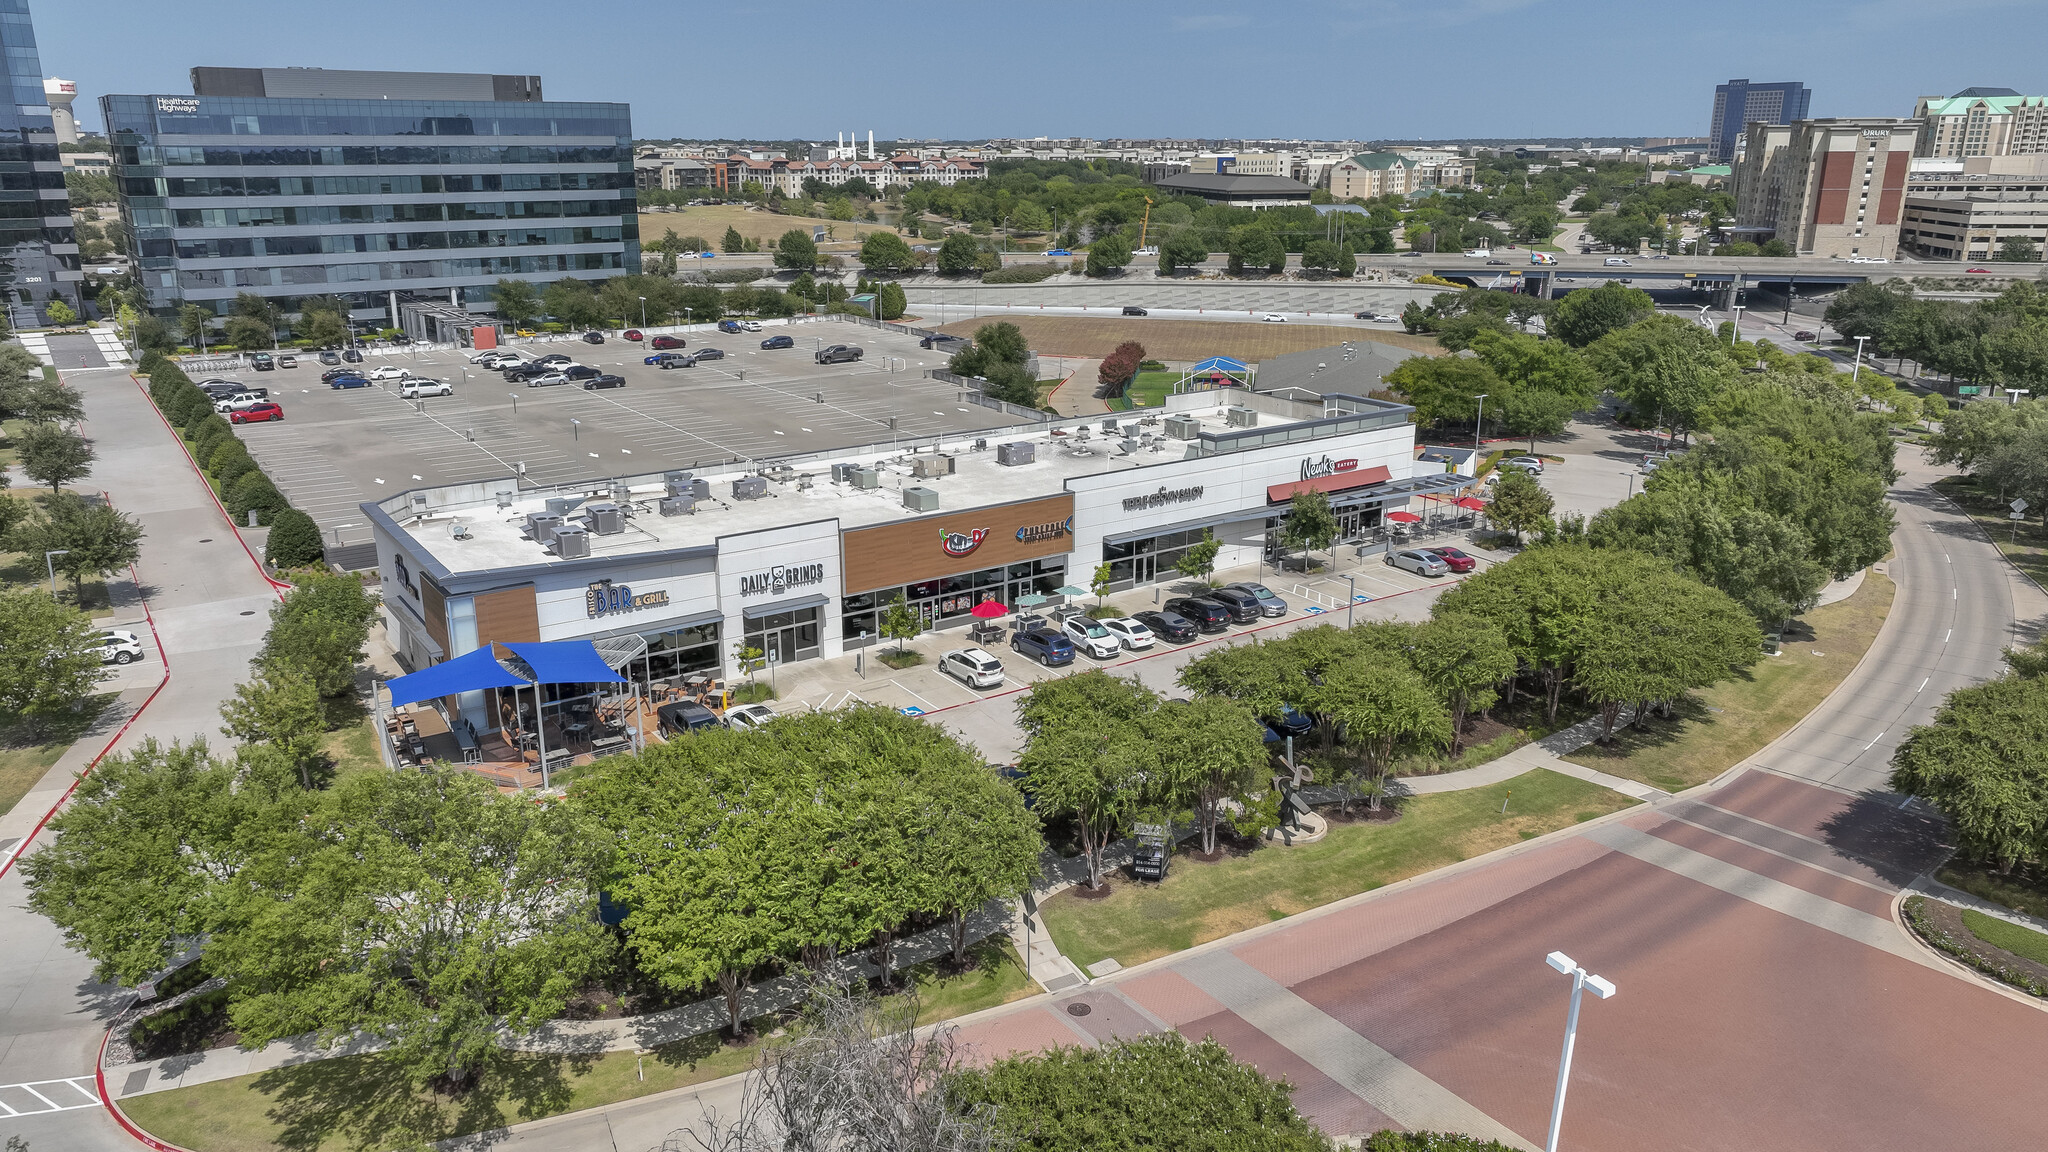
(571, 542)
(1109, 425)
(605, 519)
(563, 505)
(675, 483)
(1241, 417)
(866, 478)
(925, 467)
(921, 499)
(750, 488)
(1016, 452)
(541, 526)
(1182, 427)
(677, 506)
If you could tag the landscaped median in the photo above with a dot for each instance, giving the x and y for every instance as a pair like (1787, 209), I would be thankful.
(1200, 902)
(2000, 949)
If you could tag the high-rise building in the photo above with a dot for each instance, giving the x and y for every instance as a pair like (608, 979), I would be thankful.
(1740, 103)
(38, 250)
(1982, 122)
(1831, 187)
(380, 188)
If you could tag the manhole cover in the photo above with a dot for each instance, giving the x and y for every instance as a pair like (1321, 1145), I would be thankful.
(248, 613)
(1078, 1009)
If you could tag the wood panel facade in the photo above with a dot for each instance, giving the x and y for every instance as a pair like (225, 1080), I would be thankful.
(946, 543)
(508, 615)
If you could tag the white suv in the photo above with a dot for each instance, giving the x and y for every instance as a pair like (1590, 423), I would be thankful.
(972, 667)
(121, 646)
(419, 386)
(1091, 637)
(238, 402)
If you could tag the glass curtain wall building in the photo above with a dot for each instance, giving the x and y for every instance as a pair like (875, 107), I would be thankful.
(38, 250)
(369, 200)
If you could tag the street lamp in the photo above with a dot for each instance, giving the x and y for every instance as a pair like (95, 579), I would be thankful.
(1478, 424)
(1857, 368)
(643, 311)
(51, 564)
(2016, 393)
(1631, 481)
(515, 402)
(1582, 981)
(1736, 336)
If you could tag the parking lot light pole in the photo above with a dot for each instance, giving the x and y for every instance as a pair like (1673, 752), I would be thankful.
(515, 402)
(1478, 424)
(1857, 368)
(1582, 981)
(51, 564)
(576, 429)
(643, 312)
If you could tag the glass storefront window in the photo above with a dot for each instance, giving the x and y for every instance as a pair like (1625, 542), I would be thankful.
(785, 637)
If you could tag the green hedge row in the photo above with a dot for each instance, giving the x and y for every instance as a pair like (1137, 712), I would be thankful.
(243, 487)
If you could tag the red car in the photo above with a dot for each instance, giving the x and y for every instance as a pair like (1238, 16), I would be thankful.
(1986, 271)
(256, 414)
(1457, 561)
(633, 334)
(662, 343)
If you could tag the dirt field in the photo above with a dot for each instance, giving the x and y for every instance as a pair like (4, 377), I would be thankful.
(711, 220)
(1187, 339)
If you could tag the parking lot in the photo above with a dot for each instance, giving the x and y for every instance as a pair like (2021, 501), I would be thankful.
(338, 448)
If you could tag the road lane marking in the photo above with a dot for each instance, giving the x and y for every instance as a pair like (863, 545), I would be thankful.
(1922, 687)
(1873, 743)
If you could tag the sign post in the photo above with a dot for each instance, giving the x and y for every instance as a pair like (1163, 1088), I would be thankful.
(2019, 513)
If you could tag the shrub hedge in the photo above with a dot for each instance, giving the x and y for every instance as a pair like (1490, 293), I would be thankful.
(294, 540)
(221, 454)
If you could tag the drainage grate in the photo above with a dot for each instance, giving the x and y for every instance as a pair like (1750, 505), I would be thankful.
(1078, 1009)
(206, 540)
(248, 613)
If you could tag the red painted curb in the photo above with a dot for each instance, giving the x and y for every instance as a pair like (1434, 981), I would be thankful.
(99, 1079)
(276, 585)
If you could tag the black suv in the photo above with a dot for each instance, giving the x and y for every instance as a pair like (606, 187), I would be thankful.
(1133, 310)
(522, 372)
(1244, 607)
(1207, 615)
(1172, 625)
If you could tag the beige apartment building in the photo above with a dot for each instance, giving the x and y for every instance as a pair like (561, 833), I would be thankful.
(1370, 174)
(1982, 122)
(1826, 187)
(1966, 209)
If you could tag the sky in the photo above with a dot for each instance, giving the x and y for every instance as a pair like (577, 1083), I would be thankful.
(1308, 69)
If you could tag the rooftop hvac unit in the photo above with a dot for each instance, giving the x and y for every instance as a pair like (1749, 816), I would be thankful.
(1128, 445)
(843, 473)
(542, 526)
(419, 501)
(1015, 452)
(981, 443)
(921, 499)
(675, 480)
(925, 467)
(700, 489)
(563, 505)
(606, 519)
(1241, 417)
(750, 488)
(1109, 425)
(866, 478)
(622, 492)
(571, 542)
(677, 506)
(1182, 427)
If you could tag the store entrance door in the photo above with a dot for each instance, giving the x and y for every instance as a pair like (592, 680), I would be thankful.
(785, 637)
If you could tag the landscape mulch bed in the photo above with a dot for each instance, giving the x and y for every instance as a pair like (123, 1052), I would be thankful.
(1360, 814)
(1947, 919)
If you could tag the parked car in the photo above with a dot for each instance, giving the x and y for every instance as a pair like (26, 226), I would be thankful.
(485, 355)
(778, 342)
(685, 716)
(419, 387)
(388, 372)
(521, 372)
(671, 360)
(262, 362)
(326, 377)
(1133, 310)
(837, 354)
(1045, 646)
(119, 646)
(240, 401)
(750, 325)
(1244, 607)
(1419, 562)
(748, 717)
(1456, 559)
(940, 340)
(663, 343)
(1091, 637)
(1291, 722)
(709, 354)
(351, 356)
(260, 412)
(1172, 625)
(635, 335)
(1269, 603)
(547, 380)
(730, 326)
(593, 337)
(287, 361)
(221, 389)
(1273, 318)
(1810, 337)
(972, 667)
(556, 358)
(1533, 465)
(330, 357)
(1205, 614)
(1130, 632)
(581, 371)
(604, 380)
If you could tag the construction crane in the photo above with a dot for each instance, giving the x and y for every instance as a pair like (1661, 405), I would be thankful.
(1146, 223)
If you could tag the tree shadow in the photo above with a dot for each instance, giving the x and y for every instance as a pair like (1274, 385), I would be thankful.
(1898, 842)
(366, 1102)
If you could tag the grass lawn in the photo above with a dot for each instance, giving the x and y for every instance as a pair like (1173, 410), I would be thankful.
(355, 1102)
(1189, 340)
(2027, 547)
(1200, 902)
(2020, 890)
(2024, 942)
(711, 220)
(24, 758)
(1717, 728)
(1150, 389)
(354, 749)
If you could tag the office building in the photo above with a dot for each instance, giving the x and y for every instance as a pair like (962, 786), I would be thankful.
(1830, 187)
(1982, 122)
(380, 188)
(1967, 209)
(1739, 103)
(41, 261)
(1239, 191)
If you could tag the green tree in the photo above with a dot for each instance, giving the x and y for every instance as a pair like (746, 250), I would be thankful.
(60, 313)
(1088, 755)
(53, 455)
(1385, 708)
(1198, 560)
(1310, 523)
(1155, 1092)
(1211, 755)
(153, 335)
(971, 839)
(255, 493)
(254, 322)
(1665, 367)
(572, 302)
(2013, 249)
(1983, 764)
(323, 327)
(1444, 389)
(884, 252)
(891, 301)
(1100, 581)
(45, 402)
(1256, 249)
(732, 241)
(279, 706)
(1715, 535)
(899, 622)
(1183, 249)
(51, 660)
(192, 323)
(796, 250)
(294, 540)
(1388, 1140)
(1519, 503)
(97, 538)
(1319, 255)
(1109, 254)
(1588, 314)
(957, 253)
(1464, 659)
(319, 628)
(1547, 383)
(518, 302)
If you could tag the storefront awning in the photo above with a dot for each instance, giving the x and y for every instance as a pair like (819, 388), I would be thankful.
(566, 662)
(1335, 482)
(471, 672)
(802, 602)
(655, 628)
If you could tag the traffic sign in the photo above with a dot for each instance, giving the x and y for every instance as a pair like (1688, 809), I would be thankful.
(2016, 516)
(2017, 506)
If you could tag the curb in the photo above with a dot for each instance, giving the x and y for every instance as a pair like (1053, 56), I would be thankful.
(99, 1079)
(276, 585)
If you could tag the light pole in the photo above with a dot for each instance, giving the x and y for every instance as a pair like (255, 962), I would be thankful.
(575, 429)
(1857, 369)
(1478, 424)
(643, 311)
(515, 402)
(1582, 981)
(51, 564)
(2016, 393)
(1631, 481)
(1735, 337)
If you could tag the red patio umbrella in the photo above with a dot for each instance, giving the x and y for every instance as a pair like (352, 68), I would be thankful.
(1471, 503)
(990, 610)
(1404, 517)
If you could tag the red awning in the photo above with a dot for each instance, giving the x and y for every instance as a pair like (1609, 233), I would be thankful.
(1404, 517)
(1336, 482)
(1471, 503)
